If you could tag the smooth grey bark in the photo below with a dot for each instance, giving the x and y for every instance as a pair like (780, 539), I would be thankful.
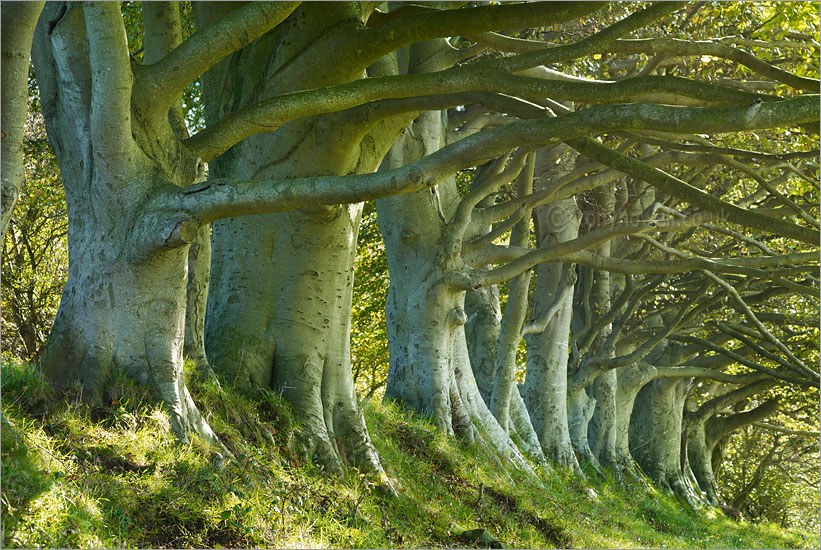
(629, 382)
(699, 455)
(18, 22)
(429, 367)
(505, 380)
(545, 387)
(632, 378)
(704, 429)
(599, 211)
(482, 340)
(633, 199)
(580, 405)
(602, 428)
(199, 273)
(591, 402)
(163, 33)
(656, 436)
(510, 334)
(123, 305)
(506, 402)
(424, 310)
(280, 295)
(484, 316)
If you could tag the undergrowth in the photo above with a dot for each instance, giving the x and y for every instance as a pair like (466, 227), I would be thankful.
(114, 477)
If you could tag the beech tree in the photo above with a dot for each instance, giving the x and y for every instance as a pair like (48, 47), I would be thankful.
(648, 265)
(19, 19)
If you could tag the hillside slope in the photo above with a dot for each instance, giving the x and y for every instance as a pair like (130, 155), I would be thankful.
(115, 478)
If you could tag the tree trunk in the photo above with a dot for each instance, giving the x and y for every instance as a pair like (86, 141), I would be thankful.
(424, 310)
(705, 435)
(429, 369)
(19, 19)
(632, 199)
(429, 366)
(580, 408)
(656, 435)
(545, 388)
(699, 455)
(602, 428)
(280, 292)
(580, 404)
(630, 380)
(482, 340)
(123, 305)
(599, 212)
(199, 272)
(482, 330)
(510, 334)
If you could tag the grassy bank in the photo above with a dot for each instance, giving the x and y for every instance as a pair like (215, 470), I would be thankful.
(114, 477)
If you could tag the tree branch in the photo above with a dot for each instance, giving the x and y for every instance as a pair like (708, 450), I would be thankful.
(728, 265)
(567, 279)
(111, 86)
(158, 84)
(689, 371)
(585, 181)
(770, 188)
(524, 258)
(210, 201)
(783, 430)
(589, 45)
(755, 156)
(718, 427)
(426, 24)
(268, 116)
(746, 362)
(650, 344)
(711, 407)
(737, 332)
(674, 46)
(674, 186)
(797, 365)
(669, 184)
(461, 219)
(163, 33)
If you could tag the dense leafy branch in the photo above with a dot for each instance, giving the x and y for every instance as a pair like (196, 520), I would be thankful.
(782, 429)
(706, 344)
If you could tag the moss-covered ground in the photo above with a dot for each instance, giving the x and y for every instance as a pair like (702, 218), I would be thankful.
(115, 477)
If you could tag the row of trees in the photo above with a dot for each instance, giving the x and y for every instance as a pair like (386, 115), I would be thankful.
(665, 291)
